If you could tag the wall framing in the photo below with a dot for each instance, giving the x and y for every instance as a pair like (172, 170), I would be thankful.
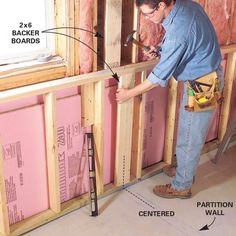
(94, 85)
(48, 89)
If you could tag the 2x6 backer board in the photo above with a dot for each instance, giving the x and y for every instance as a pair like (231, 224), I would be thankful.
(24, 154)
(110, 134)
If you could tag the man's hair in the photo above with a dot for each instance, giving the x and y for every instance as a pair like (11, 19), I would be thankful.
(152, 3)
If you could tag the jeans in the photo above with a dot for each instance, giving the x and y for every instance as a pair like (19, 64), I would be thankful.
(192, 132)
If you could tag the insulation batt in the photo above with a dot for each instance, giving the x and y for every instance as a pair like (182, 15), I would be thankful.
(219, 13)
(86, 22)
(233, 33)
(150, 34)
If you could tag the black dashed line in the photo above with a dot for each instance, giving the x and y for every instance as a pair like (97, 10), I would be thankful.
(136, 196)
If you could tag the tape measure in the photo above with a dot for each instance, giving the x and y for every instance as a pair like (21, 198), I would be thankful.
(44, 57)
(203, 100)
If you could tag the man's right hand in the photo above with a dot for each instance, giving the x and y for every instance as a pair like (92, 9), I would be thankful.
(152, 53)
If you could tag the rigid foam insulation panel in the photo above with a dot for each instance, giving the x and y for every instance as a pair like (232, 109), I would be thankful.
(73, 165)
(17, 104)
(154, 125)
(24, 154)
(36, 100)
(67, 92)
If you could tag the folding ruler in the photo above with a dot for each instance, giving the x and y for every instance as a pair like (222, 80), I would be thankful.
(89, 142)
(231, 130)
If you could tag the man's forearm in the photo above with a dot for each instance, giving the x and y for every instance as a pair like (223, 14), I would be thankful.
(142, 88)
(124, 94)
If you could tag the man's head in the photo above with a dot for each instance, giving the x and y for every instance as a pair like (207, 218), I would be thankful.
(155, 10)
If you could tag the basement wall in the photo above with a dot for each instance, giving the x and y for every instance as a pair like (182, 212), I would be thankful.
(23, 139)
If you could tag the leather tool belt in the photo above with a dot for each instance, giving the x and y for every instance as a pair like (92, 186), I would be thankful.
(204, 93)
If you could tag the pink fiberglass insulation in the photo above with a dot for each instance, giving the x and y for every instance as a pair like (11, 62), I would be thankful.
(86, 22)
(24, 158)
(233, 28)
(150, 34)
(219, 12)
(73, 168)
(110, 134)
(154, 125)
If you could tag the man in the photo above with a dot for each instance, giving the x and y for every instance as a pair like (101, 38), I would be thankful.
(189, 51)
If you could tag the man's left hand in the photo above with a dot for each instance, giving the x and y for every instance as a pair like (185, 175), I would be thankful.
(122, 95)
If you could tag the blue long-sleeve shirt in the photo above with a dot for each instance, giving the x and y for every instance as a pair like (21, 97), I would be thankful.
(189, 48)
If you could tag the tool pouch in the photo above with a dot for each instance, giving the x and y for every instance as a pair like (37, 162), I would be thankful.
(204, 93)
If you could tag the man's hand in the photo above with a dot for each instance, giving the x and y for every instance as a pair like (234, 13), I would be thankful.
(122, 95)
(152, 53)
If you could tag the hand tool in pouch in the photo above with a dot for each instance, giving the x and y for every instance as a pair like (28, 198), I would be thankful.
(203, 93)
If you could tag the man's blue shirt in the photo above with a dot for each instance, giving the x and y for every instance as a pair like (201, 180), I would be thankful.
(189, 48)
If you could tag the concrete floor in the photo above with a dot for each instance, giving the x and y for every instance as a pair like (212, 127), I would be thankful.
(119, 212)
